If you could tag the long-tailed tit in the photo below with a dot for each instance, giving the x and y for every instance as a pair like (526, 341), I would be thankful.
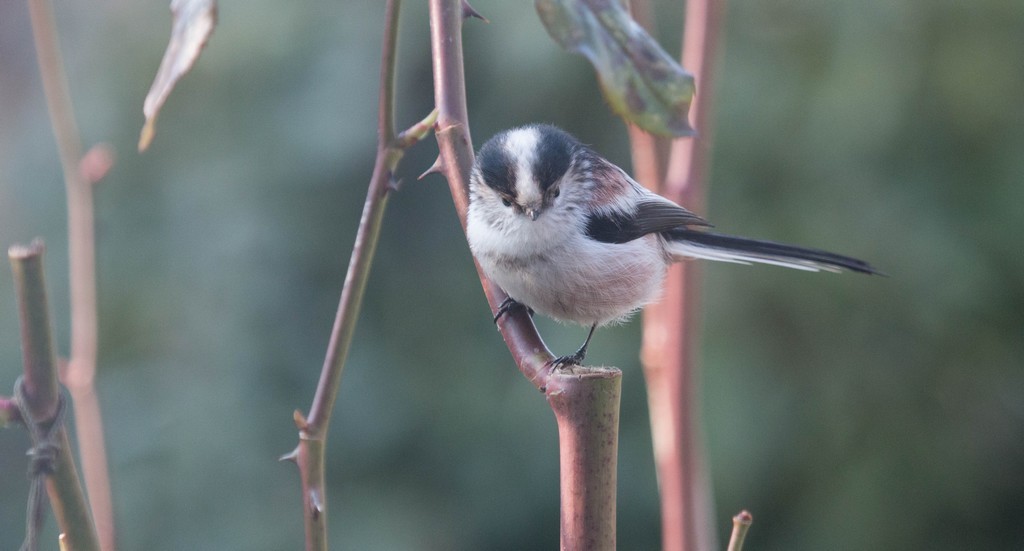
(570, 235)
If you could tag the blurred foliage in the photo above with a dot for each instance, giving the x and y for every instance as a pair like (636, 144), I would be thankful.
(844, 412)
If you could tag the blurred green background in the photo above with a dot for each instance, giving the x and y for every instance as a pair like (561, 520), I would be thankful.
(844, 412)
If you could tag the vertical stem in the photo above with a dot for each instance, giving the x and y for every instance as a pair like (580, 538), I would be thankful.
(309, 455)
(585, 400)
(686, 178)
(588, 437)
(41, 391)
(80, 197)
(671, 326)
(81, 370)
(456, 162)
(37, 349)
(366, 236)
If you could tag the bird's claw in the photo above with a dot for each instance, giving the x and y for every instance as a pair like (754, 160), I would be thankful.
(564, 362)
(507, 306)
(576, 358)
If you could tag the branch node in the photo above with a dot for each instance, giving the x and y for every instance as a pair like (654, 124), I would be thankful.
(292, 456)
(300, 420)
(412, 135)
(9, 412)
(316, 504)
(96, 163)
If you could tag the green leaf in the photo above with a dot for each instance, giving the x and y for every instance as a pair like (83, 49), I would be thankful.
(640, 81)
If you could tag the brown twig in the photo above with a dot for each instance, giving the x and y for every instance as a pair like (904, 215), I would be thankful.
(80, 373)
(309, 454)
(671, 326)
(42, 393)
(585, 400)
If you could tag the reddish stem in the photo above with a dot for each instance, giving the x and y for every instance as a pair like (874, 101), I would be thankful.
(309, 454)
(671, 326)
(80, 373)
(586, 406)
(585, 400)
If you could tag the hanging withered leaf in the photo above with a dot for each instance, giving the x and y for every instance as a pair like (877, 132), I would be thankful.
(193, 22)
(640, 81)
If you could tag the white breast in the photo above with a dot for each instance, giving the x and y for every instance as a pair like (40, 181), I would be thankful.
(552, 267)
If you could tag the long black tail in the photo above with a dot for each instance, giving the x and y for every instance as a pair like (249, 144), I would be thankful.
(688, 243)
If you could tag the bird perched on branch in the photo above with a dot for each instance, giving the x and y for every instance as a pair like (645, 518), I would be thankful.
(568, 234)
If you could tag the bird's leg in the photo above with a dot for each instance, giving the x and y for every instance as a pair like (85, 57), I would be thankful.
(507, 306)
(577, 357)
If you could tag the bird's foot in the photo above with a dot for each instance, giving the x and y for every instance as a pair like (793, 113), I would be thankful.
(576, 358)
(507, 306)
(565, 362)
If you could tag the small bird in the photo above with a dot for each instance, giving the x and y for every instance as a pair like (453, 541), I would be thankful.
(566, 233)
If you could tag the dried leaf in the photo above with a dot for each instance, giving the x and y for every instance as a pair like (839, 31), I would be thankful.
(193, 22)
(641, 82)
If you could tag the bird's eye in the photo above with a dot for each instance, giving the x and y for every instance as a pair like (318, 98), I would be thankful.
(506, 202)
(556, 192)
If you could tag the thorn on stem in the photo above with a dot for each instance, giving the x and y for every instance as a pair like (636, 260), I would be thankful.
(469, 11)
(292, 456)
(436, 168)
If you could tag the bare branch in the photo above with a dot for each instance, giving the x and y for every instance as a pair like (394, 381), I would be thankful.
(309, 454)
(81, 370)
(585, 400)
(455, 162)
(671, 326)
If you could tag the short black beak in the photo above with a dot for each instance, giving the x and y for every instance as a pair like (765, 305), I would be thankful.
(533, 213)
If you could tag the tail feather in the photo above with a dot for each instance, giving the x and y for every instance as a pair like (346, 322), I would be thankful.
(688, 243)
